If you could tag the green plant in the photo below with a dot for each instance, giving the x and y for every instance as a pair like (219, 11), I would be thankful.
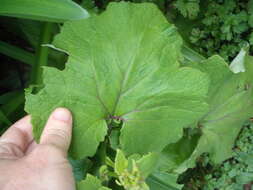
(140, 117)
(197, 84)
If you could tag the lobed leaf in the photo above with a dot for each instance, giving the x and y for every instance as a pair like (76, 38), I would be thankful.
(124, 65)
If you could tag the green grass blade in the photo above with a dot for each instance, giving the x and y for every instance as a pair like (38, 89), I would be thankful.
(4, 119)
(16, 53)
(43, 10)
(8, 96)
(9, 107)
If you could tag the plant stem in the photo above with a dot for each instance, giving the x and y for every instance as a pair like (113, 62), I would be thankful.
(41, 54)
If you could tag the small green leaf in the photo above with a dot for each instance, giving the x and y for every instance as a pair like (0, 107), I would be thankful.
(79, 168)
(250, 21)
(121, 163)
(250, 6)
(91, 183)
(188, 9)
(238, 64)
(133, 171)
(147, 164)
(44, 10)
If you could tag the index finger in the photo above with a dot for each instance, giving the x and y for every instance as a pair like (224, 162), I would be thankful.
(19, 134)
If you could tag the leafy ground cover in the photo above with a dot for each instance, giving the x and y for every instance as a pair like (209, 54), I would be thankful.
(224, 28)
(130, 73)
(235, 173)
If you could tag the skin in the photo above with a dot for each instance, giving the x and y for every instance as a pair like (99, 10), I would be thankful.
(26, 165)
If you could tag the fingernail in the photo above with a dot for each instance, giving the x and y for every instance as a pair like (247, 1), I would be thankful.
(62, 114)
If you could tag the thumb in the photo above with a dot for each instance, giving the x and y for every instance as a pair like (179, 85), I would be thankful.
(58, 130)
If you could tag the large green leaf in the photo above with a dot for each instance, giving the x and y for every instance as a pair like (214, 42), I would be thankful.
(44, 10)
(122, 65)
(231, 104)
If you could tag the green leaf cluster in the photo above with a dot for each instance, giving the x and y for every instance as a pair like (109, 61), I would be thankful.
(128, 88)
(223, 27)
(132, 172)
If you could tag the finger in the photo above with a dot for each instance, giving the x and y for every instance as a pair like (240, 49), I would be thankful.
(16, 139)
(58, 130)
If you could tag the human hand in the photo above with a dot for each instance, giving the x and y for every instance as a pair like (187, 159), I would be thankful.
(26, 165)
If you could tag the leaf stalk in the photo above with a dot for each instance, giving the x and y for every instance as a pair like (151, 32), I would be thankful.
(41, 54)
